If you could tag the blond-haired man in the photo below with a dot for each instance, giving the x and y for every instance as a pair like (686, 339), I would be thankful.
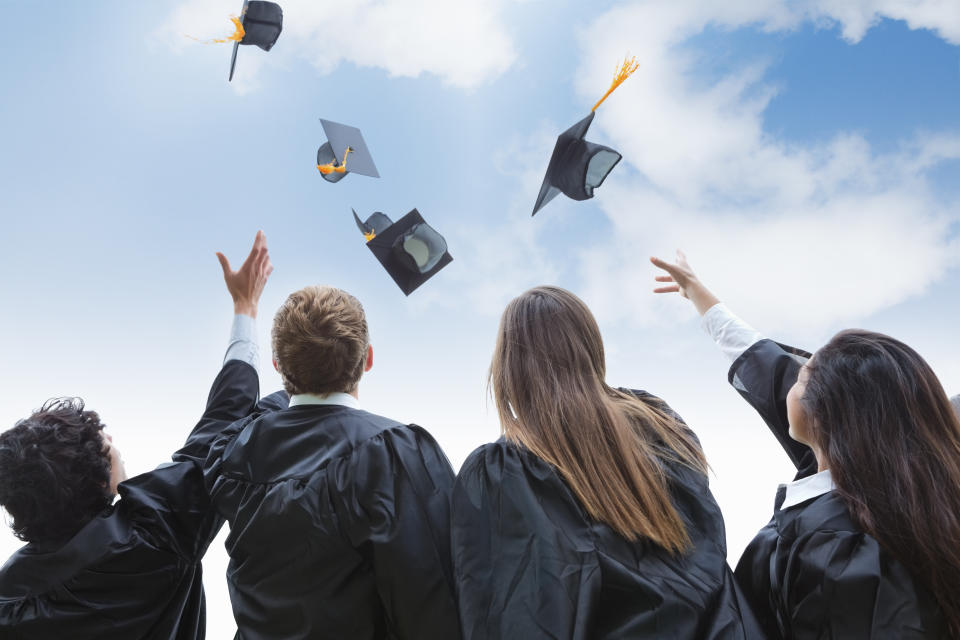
(339, 518)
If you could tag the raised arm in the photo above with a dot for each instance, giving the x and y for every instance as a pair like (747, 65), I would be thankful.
(763, 375)
(170, 504)
(234, 393)
(762, 371)
(732, 335)
(681, 279)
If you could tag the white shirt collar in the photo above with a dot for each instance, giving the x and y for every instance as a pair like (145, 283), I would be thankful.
(807, 488)
(338, 397)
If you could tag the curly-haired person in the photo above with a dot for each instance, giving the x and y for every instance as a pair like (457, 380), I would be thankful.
(98, 567)
(58, 469)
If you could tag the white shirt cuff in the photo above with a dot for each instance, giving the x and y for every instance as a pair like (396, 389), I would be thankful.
(732, 335)
(243, 341)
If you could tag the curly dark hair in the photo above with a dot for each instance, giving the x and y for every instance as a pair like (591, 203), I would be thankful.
(54, 472)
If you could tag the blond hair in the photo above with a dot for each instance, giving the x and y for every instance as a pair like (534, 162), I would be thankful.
(320, 341)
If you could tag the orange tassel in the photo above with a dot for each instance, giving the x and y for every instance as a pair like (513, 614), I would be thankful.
(369, 235)
(237, 35)
(623, 72)
(332, 166)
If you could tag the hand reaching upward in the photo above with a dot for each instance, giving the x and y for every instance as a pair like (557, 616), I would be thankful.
(246, 284)
(685, 282)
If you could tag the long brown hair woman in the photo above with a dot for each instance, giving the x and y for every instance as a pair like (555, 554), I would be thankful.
(865, 542)
(591, 517)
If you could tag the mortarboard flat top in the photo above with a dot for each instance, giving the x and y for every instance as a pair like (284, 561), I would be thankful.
(410, 250)
(262, 23)
(341, 137)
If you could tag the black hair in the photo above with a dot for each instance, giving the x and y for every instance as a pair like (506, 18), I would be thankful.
(892, 440)
(54, 471)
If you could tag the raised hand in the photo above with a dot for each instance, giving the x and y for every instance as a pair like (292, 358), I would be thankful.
(684, 281)
(246, 284)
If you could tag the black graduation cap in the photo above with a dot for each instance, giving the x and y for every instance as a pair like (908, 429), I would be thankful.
(262, 23)
(578, 166)
(345, 151)
(409, 249)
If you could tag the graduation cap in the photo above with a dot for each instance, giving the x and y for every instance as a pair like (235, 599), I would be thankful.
(578, 166)
(409, 249)
(344, 146)
(260, 24)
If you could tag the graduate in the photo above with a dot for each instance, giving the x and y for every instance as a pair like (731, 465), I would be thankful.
(591, 517)
(339, 518)
(95, 567)
(864, 542)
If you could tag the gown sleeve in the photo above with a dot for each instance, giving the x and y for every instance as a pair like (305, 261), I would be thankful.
(233, 396)
(214, 461)
(170, 505)
(838, 585)
(392, 496)
(524, 560)
(763, 375)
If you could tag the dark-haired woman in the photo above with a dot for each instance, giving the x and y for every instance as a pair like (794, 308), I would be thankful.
(591, 517)
(865, 542)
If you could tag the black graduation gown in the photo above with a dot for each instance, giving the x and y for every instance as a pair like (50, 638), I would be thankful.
(811, 572)
(530, 563)
(134, 571)
(339, 526)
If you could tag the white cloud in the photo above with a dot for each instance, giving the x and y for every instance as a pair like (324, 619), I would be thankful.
(806, 235)
(466, 43)
(507, 258)
(857, 16)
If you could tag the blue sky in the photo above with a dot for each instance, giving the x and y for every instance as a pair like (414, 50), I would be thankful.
(808, 160)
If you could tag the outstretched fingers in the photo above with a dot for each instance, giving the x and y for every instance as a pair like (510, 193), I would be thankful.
(663, 264)
(678, 274)
(264, 266)
(673, 270)
(256, 252)
(247, 283)
(224, 264)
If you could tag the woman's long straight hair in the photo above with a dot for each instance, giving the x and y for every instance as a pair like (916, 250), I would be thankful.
(547, 378)
(891, 439)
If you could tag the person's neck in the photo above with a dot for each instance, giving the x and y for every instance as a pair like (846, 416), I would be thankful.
(822, 464)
